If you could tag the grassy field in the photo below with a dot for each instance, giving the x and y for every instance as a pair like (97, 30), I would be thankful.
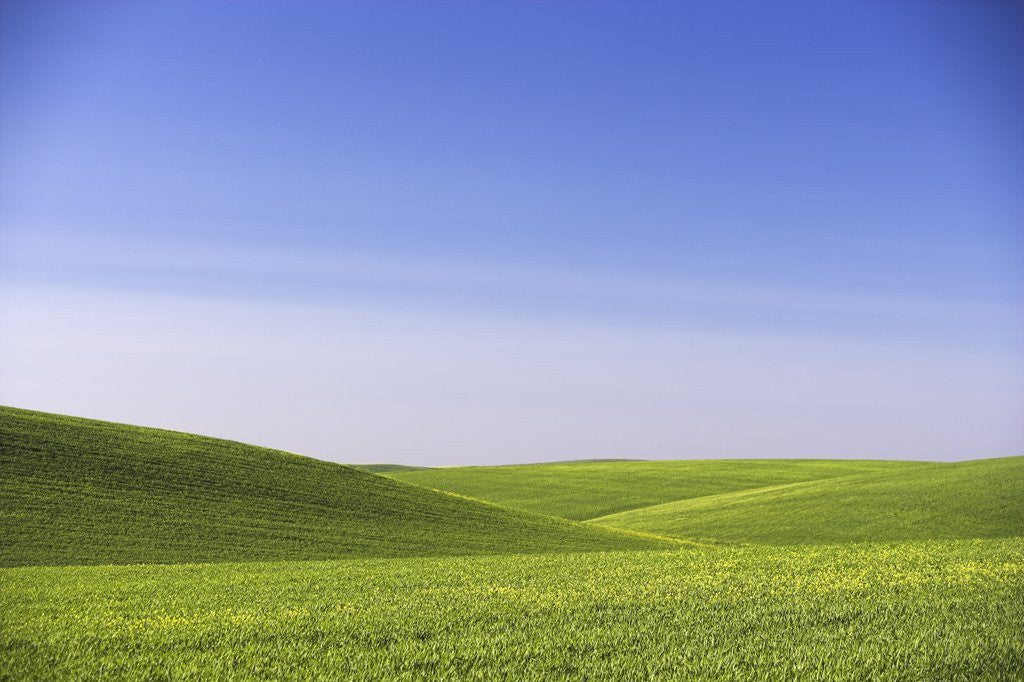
(384, 468)
(929, 611)
(423, 584)
(977, 499)
(78, 491)
(589, 489)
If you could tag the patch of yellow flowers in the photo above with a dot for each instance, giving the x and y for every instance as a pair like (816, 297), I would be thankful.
(919, 610)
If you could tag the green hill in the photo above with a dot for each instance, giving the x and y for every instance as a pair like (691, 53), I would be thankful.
(976, 499)
(78, 491)
(587, 489)
(384, 468)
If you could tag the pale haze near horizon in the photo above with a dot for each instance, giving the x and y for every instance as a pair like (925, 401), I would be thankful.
(358, 385)
(484, 233)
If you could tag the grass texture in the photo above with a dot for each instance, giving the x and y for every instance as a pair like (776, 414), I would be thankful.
(589, 489)
(384, 468)
(915, 611)
(78, 491)
(975, 499)
(322, 571)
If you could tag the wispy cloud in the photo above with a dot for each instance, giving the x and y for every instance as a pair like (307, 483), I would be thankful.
(501, 288)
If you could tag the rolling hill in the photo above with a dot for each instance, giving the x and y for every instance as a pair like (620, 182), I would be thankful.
(974, 499)
(384, 468)
(79, 491)
(583, 490)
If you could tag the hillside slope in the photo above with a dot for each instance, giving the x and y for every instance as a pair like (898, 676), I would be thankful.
(976, 499)
(587, 489)
(384, 468)
(78, 491)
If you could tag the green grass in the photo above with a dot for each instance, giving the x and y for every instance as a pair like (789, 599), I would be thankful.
(917, 611)
(589, 489)
(78, 491)
(384, 468)
(976, 499)
(423, 584)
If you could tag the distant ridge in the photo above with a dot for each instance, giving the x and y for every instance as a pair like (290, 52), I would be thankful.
(80, 491)
(586, 489)
(384, 468)
(974, 499)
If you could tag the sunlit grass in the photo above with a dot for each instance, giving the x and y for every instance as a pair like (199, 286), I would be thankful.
(928, 610)
(79, 491)
(588, 489)
(976, 499)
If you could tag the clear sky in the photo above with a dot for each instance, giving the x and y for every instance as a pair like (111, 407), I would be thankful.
(479, 232)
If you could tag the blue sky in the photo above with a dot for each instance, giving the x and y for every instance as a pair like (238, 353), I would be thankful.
(487, 232)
